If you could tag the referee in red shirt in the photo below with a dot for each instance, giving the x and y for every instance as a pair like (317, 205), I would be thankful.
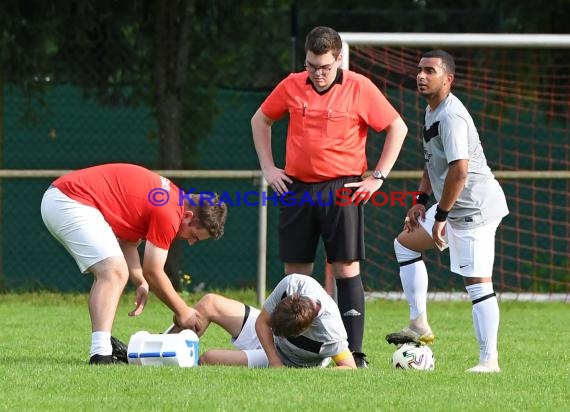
(330, 111)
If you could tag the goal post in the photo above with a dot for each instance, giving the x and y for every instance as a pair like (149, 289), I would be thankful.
(517, 88)
(451, 40)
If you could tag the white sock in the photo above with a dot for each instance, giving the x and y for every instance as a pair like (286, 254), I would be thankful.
(415, 283)
(101, 344)
(485, 319)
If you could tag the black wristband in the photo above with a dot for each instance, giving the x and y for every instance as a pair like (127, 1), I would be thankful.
(421, 199)
(440, 214)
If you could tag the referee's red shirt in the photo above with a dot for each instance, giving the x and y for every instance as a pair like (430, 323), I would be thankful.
(326, 137)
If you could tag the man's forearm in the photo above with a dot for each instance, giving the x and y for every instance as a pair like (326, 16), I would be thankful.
(266, 339)
(161, 286)
(425, 184)
(395, 135)
(261, 131)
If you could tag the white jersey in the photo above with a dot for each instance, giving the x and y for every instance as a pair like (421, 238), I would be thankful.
(450, 134)
(326, 337)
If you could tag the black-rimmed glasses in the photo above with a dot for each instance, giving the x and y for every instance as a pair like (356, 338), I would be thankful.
(311, 68)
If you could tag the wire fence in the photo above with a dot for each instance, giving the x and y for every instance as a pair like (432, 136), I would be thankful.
(73, 131)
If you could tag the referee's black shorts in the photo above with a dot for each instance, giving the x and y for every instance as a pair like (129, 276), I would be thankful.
(314, 210)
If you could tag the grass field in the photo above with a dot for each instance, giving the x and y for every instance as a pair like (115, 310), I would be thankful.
(44, 342)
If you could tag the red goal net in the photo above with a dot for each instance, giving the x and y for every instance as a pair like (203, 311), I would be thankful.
(520, 101)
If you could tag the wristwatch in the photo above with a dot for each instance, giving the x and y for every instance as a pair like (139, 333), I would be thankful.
(377, 174)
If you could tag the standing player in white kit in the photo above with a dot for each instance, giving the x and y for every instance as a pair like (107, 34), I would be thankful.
(470, 206)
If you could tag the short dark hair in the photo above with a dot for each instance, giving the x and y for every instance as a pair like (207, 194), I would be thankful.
(210, 212)
(447, 60)
(322, 40)
(292, 316)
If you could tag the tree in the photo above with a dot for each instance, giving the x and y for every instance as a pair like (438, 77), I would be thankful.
(169, 55)
(107, 48)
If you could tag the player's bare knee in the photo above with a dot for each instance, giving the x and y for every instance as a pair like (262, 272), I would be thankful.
(405, 255)
(115, 271)
(207, 305)
(121, 279)
(470, 280)
(418, 239)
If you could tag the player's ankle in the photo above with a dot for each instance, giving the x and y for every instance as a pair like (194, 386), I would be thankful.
(420, 324)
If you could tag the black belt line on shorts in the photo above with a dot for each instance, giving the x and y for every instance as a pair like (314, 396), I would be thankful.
(245, 316)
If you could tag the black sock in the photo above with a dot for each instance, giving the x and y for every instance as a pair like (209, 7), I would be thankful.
(350, 295)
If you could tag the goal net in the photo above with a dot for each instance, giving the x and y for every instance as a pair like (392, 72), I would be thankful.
(517, 89)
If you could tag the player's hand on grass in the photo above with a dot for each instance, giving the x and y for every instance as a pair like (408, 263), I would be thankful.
(277, 179)
(141, 296)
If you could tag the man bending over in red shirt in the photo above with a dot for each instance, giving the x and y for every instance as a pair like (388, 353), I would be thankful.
(101, 214)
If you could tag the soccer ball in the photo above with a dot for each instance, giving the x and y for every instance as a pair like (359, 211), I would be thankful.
(413, 356)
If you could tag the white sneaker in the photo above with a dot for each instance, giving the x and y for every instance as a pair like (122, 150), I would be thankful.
(490, 366)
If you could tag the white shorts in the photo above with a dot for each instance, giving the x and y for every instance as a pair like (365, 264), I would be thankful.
(248, 342)
(81, 229)
(471, 251)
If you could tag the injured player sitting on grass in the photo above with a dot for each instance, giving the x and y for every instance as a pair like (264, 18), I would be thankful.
(299, 326)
